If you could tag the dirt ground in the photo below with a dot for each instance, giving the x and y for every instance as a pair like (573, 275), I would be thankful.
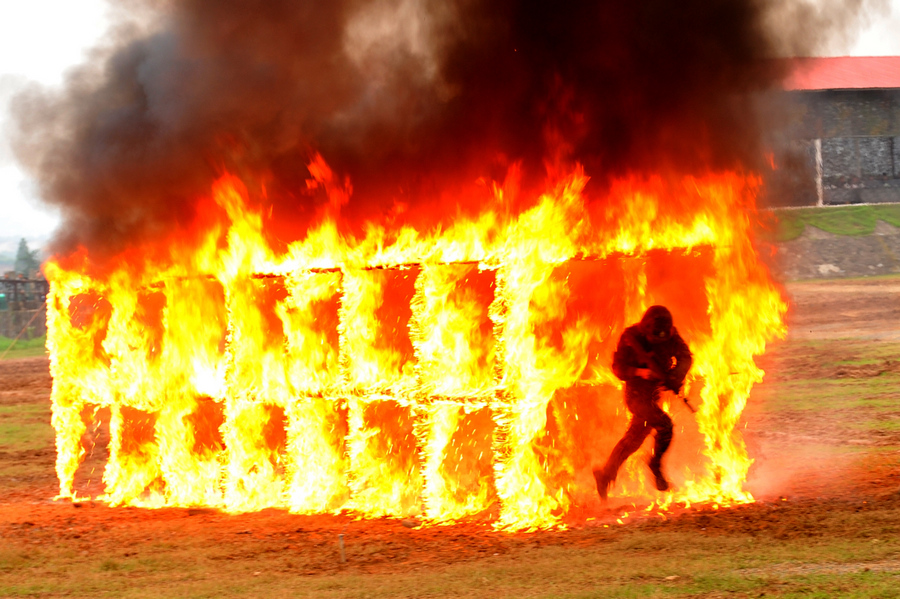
(814, 460)
(863, 309)
(826, 420)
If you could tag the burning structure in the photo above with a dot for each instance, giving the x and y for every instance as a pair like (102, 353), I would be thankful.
(375, 255)
(403, 371)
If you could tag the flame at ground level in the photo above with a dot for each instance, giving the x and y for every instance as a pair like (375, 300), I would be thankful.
(445, 374)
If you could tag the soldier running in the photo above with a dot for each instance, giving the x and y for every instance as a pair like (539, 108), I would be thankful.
(651, 356)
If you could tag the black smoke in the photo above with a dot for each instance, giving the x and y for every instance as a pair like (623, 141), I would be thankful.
(401, 96)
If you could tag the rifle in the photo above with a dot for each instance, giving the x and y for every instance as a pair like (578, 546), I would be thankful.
(654, 366)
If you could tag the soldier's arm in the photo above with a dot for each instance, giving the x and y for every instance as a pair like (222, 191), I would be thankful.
(683, 361)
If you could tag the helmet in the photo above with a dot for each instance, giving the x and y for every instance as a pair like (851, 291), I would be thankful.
(656, 324)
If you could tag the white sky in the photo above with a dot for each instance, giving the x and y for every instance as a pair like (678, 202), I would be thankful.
(41, 39)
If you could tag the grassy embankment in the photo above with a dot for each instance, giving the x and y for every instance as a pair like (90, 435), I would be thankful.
(841, 547)
(842, 220)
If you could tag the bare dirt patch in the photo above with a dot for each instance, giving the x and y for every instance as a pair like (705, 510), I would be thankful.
(864, 309)
(25, 380)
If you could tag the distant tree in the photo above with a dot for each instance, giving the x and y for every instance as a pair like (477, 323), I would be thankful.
(27, 261)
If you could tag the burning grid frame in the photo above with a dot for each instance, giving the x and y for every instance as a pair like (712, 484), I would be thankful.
(448, 374)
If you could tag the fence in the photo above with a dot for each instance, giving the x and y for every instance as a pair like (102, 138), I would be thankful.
(21, 303)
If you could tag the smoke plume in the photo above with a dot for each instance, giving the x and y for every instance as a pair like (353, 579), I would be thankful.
(404, 97)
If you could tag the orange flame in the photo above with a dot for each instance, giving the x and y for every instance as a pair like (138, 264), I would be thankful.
(442, 374)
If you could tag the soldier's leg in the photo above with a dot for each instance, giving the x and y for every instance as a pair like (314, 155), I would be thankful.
(662, 424)
(627, 445)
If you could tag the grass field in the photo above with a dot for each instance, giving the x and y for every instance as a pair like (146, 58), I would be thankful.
(11, 349)
(644, 560)
(823, 429)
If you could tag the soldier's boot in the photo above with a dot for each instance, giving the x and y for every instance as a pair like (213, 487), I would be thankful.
(661, 483)
(603, 482)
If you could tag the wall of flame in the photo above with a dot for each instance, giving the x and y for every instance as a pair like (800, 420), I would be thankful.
(449, 374)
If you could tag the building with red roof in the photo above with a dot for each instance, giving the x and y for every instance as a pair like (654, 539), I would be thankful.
(843, 73)
(846, 121)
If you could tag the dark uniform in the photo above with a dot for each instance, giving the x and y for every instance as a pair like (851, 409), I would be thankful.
(653, 345)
